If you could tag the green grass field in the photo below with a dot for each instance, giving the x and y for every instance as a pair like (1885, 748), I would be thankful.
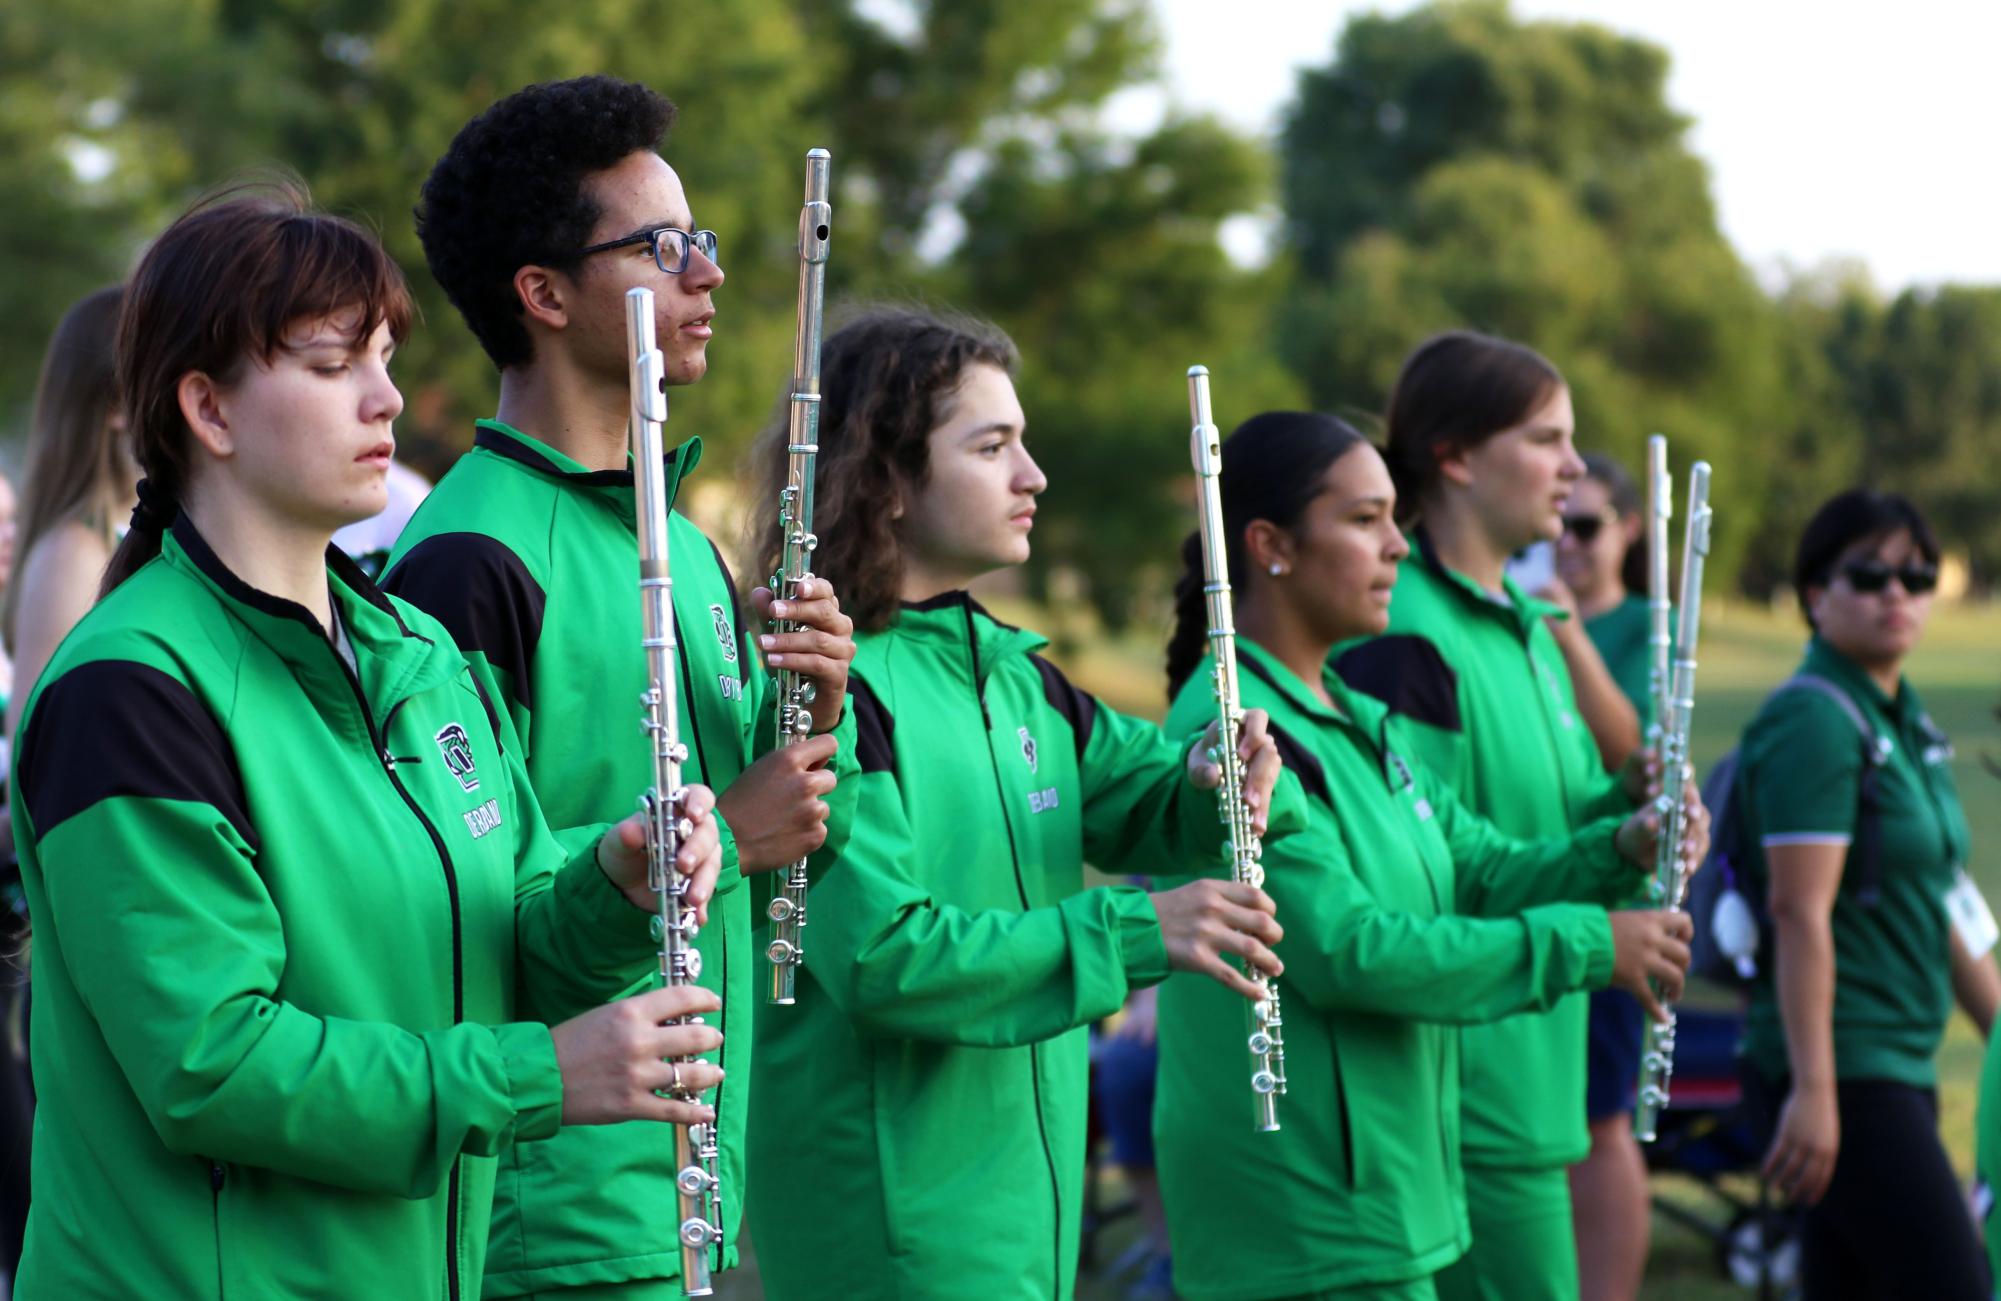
(1745, 652)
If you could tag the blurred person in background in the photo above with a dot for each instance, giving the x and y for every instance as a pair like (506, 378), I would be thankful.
(10, 505)
(1480, 444)
(1855, 839)
(76, 490)
(1406, 914)
(1125, 1066)
(1601, 578)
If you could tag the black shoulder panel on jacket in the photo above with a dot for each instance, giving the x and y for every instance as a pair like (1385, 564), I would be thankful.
(1300, 762)
(483, 594)
(1067, 699)
(486, 703)
(120, 728)
(1407, 673)
(875, 729)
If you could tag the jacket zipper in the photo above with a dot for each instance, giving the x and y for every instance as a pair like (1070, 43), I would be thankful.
(216, 1177)
(379, 739)
(1021, 890)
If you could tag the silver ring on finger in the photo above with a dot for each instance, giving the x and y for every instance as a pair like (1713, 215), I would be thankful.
(675, 1086)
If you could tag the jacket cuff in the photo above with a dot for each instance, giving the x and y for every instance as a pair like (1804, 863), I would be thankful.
(1600, 957)
(1287, 814)
(1575, 944)
(534, 1080)
(1141, 947)
(1619, 878)
(594, 906)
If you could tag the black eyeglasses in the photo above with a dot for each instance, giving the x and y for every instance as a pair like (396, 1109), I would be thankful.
(1583, 527)
(1872, 576)
(670, 246)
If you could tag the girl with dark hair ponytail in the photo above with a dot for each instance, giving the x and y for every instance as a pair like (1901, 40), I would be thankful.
(954, 958)
(1480, 434)
(304, 945)
(1407, 914)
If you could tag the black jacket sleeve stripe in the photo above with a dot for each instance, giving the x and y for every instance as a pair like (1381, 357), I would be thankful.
(875, 729)
(1301, 763)
(1078, 706)
(483, 594)
(1407, 673)
(119, 728)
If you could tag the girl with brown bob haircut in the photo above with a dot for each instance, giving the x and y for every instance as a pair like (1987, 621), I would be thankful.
(305, 947)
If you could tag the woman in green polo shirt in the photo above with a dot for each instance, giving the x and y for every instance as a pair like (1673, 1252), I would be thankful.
(1859, 841)
(1406, 914)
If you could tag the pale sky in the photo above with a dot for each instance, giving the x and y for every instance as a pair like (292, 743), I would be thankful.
(1832, 129)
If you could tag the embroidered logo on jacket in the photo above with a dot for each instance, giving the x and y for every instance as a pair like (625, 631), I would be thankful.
(483, 819)
(1027, 747)
(725, 634)
(456, 746)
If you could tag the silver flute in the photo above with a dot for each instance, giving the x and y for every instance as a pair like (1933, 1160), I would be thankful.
(1267, 1041)
(787, 909)
(1657, 1048)
(697, 1186)
(1660, 614)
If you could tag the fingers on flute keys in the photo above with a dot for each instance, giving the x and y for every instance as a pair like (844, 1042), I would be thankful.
(1205, 923)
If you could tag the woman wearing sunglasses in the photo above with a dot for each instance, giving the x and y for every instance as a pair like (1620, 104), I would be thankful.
(1858, 838)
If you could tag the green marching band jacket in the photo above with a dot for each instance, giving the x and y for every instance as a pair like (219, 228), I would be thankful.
(1485, 702)
(921, 1111)
(532, 561)
(1363, 1177)
(296, 924)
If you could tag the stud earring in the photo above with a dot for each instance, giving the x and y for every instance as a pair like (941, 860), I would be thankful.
(1277, 569)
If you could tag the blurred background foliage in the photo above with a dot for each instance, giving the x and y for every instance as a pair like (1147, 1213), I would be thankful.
(1451, 166)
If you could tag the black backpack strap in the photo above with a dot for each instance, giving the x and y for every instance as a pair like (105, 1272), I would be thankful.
(1865, 854)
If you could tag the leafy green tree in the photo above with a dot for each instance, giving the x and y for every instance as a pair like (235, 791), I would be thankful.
(1104, 263)
(1457, 167)
(1919, 378)
(976, 114)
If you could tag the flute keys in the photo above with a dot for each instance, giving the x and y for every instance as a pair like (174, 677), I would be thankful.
(698, 1232)
(1261, 1043)
(780, 909)
(782, 952)
(1263, 1083)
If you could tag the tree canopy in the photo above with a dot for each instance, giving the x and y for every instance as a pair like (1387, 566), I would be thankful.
(1454, 165)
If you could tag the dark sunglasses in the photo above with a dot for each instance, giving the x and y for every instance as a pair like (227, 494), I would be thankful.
(1871, 576)
(1583, 527)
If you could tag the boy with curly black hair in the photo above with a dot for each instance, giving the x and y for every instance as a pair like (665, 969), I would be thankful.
(545, 210)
